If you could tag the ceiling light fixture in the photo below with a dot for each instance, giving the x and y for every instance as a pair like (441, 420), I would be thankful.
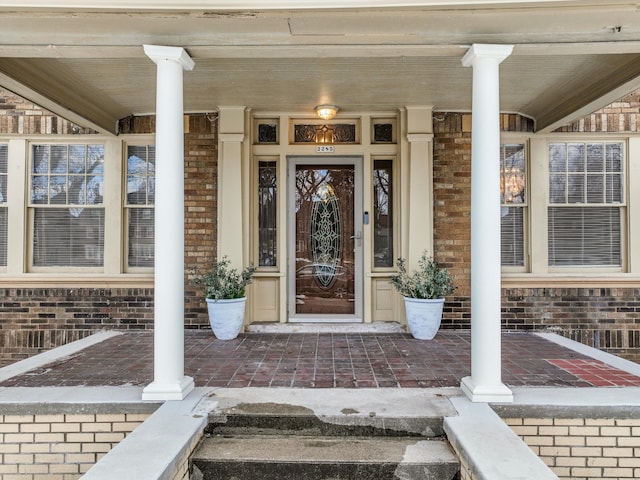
(326, 112)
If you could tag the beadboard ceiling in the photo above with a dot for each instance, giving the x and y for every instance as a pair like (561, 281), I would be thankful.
(570, 57)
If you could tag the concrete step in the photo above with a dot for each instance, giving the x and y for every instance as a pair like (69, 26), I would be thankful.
(274, 418)
(289, 457)
(339, 412)
(330, 435)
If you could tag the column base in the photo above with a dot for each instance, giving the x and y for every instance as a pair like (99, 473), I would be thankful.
(486, 393)
(168, 391)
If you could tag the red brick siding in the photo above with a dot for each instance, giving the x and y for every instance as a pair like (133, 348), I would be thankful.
(620, 116)
(200, 191)
(605, 318)
(35, 320)
(20, 116)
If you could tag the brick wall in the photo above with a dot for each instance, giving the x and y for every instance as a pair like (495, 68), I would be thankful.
(59, 446)
(201, 173)
(452, 196)
(20, 116)
(35, 320)
(584, 448)
(620, 116)
(604, 318)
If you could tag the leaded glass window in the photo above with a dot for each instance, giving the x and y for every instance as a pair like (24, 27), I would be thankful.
(383, 130)
(383, 213)
(267, 133)
(267, 214)
(325, 133)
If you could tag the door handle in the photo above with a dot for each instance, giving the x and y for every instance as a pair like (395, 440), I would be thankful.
(358, 237)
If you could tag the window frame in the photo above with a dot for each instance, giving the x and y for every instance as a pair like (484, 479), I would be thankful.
(31, 207)
(255, 221)
(4, 205)
(259, 159)
(395, 212)
(505, 140)
(126, 208)
(590, 270)
(19, 271)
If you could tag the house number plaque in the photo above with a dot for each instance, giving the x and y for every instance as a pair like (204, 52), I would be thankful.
(325, 149)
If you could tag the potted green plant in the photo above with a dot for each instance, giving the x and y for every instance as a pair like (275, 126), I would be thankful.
(423, 290)
(224, 289)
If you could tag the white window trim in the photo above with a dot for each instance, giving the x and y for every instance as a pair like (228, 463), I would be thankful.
(624, 233)
(512, 138)
(19, 273)
(133, 141)
(540, 274)
(30, 209)
(633, 204)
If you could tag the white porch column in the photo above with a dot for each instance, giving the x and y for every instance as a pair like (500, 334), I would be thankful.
(169, 381)
(485, 383)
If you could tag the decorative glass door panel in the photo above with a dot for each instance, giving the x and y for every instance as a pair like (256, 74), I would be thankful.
(325, 240)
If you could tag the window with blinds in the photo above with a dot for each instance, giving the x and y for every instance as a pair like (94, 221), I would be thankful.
(139, 206)
(4, 160)
(513, 181)
(66, 205)
(586, 202)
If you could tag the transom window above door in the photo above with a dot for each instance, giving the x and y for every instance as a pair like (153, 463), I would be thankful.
(302, 131)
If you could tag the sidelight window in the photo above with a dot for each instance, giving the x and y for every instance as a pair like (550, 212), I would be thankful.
(382, 213)
(267, 214)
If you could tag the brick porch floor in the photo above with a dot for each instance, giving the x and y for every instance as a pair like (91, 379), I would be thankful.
(326, 360)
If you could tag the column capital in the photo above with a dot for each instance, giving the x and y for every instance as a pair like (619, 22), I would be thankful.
(173, 54)
(485, 51)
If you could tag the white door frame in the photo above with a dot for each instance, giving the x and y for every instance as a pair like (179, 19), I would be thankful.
(357, 162)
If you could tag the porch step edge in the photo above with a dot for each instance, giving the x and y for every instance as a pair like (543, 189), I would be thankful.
(387, 412)
(293, 457)
(347, 327)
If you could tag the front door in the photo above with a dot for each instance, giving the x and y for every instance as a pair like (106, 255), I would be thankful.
(325, 239)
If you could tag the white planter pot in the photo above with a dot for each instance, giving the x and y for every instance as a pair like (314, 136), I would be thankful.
(226, 317)
(423, 316)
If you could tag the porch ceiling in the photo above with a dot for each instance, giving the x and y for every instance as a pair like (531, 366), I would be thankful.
(570, 57)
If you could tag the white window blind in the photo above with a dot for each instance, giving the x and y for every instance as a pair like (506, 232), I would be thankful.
(586, 201)
(4, 159)
(513, 182)
(67, 186)
(141, 162)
